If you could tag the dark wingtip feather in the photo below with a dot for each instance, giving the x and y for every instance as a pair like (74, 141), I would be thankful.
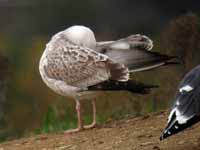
(141, 88)
(174, 60)
(151, 60)
(169, 63)
(130, 85)
(168, 58)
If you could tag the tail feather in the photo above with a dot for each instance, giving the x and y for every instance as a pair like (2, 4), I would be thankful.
(140, 60)
(154, 66)
(134, 52)
(147, 60)
(172, 63)
(130, 85)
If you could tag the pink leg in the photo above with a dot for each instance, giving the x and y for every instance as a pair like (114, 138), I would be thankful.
(79, 117)
(93, 124)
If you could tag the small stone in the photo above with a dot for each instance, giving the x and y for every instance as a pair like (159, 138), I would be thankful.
(42, 138)
(64, 147)
(146, 143)
(150, 135)
(24, 142)
(156, 147)
(145, 117)
(181, 142)
(100, 142)
(141, 136)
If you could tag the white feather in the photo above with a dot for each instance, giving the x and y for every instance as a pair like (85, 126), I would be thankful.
(177, 103)
(120, 45)
(186, 88)
(81, 35)
(179, 117)
(147, 68)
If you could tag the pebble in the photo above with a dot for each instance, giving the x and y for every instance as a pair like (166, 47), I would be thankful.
(156, 147)
(42, 138)
(100, 142)
(64, 147)
(141, 136)
(149, 135)
(181, 142)
(24, 142)
(146, 143)
(145, 117)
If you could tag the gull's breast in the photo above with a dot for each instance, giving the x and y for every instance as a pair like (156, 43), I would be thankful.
(58, 86)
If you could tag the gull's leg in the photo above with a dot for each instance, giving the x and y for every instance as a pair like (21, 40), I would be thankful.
(79, 118)
(79, 115)
(93, 124)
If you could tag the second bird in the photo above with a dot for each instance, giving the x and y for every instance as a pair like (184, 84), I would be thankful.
(185, 111)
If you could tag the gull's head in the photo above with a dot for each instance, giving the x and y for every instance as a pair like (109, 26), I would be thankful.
(81, 35)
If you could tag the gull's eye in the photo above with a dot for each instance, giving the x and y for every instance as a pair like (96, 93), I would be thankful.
(186, 88)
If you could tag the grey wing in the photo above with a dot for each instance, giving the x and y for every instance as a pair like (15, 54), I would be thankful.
(134, 53)
(138, 59)
(80, 66)
(132, 41)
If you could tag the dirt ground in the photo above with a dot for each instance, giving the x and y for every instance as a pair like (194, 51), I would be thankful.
(141, 133)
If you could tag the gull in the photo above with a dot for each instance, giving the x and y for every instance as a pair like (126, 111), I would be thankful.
(185, 111)
(73, 64)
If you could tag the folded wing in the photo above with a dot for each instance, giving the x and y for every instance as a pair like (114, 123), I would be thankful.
(80, 66)
(134, 52)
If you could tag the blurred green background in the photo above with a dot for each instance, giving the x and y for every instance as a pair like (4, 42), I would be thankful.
(28, 106)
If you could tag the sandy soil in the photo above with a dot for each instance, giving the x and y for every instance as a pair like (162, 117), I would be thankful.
(141, 133)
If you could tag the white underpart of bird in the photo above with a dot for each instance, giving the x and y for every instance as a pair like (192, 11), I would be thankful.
(186, 109)
(73, 63)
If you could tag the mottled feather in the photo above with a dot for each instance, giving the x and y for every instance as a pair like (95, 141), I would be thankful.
(80, 66)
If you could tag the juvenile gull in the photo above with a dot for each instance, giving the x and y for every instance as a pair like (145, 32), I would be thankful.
(186, 108)
(74, 64)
